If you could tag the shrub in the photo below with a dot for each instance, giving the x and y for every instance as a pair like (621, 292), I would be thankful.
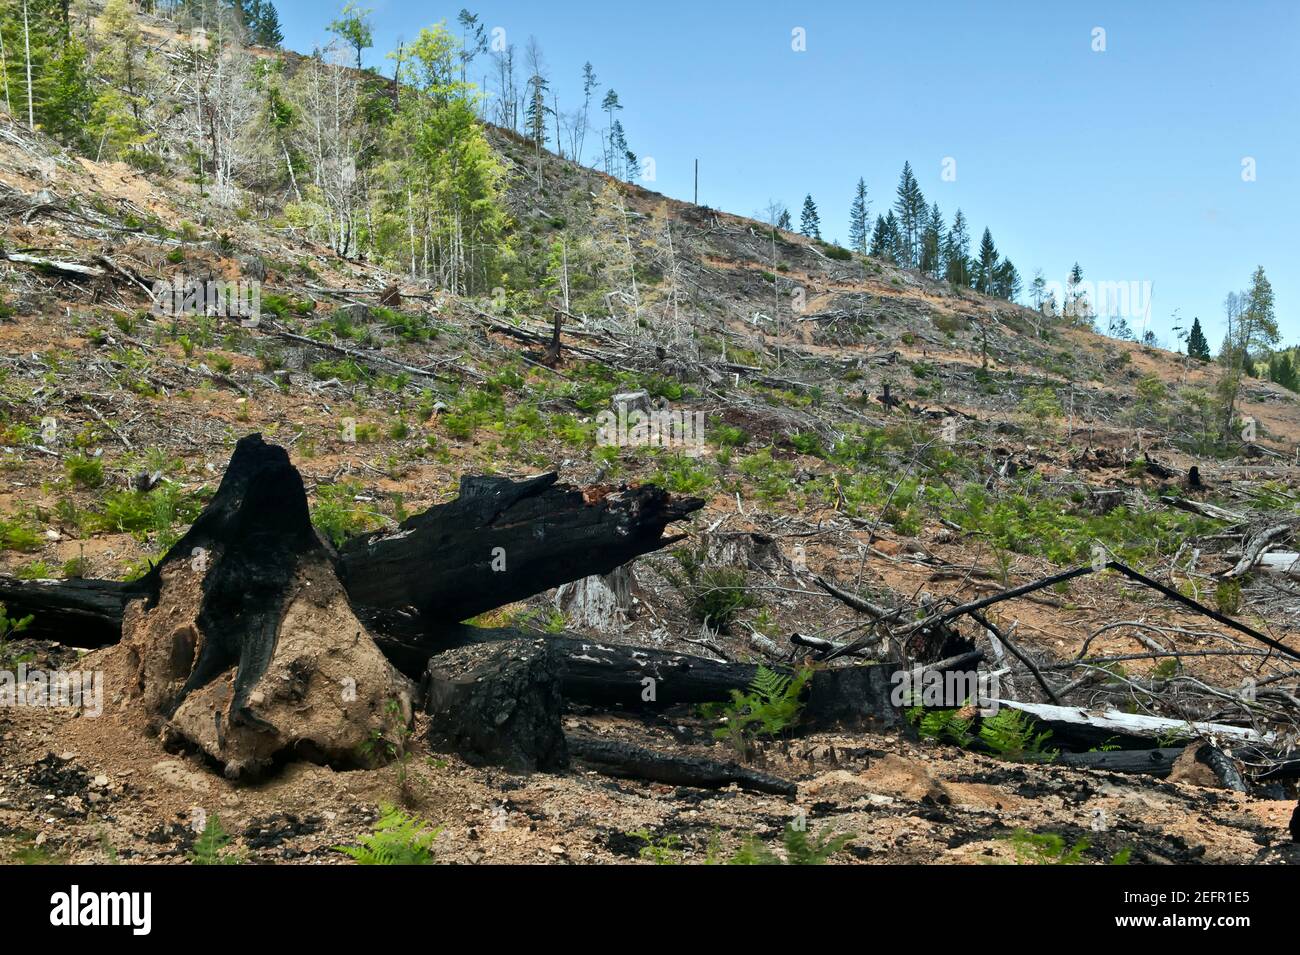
(85, 471)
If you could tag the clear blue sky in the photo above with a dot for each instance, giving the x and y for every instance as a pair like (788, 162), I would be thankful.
(1128, 160)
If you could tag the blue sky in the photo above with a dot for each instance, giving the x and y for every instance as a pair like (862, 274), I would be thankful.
(1128, 160)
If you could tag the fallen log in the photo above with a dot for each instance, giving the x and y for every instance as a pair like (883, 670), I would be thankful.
(501, 541)
(608, 675)
(616, 758)
(54, 266)
(1151, 762)
(77, 613)
(1074, 723)
(1211, 511)
(1253, 550)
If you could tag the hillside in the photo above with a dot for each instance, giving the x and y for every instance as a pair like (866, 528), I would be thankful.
(914, 444)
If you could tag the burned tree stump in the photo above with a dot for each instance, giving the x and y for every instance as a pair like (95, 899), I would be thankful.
(497, 704)
(243, 643)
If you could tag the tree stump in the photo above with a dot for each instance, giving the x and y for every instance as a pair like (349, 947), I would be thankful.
(244, 644)
(497, 704)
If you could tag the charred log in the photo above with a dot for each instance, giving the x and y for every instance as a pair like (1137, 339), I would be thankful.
(636, 762)
(503, 540)
(497, 704)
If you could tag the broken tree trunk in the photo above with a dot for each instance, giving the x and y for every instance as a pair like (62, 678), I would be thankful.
(1151, 762)
(499, 542)
(242, 643)
(497, 704)
(79, 613)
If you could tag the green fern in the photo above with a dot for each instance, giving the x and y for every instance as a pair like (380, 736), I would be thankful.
(799, 848)
(211, 847)
(770, 705)
(661, 850)
(948, 725)
(1010, 733)
(398, 839)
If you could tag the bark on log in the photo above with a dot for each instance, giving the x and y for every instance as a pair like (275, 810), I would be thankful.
(501, 541)
(639, 678)
(623, 759)
(1151, 762)
(77, 613)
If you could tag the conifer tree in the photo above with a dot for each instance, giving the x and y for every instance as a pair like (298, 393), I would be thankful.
(932, 243)
(609, 104)
(986, 263)
(956, 253)
(859, 218)
(1006, 281)
(911, 209)
(810, 223)
(265, 28)
(1197, 345)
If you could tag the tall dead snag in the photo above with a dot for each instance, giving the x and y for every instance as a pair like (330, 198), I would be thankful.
(499, 542)
(243, 643)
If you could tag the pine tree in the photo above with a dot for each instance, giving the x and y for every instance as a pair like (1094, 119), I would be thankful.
(265, 29)
(956, 253)
(609, 104)
(1197, 346)
(1006, 281)
(911, 208)
(810, 223)
(1282, 370)
(986, 263)
(535, 115)
(619, 154)
(859, 218)
(783, 221)
(46, 81)
(932, 241)
(589, 84)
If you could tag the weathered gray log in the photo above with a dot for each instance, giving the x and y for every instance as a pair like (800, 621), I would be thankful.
(1077, 723)
(616, 758)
